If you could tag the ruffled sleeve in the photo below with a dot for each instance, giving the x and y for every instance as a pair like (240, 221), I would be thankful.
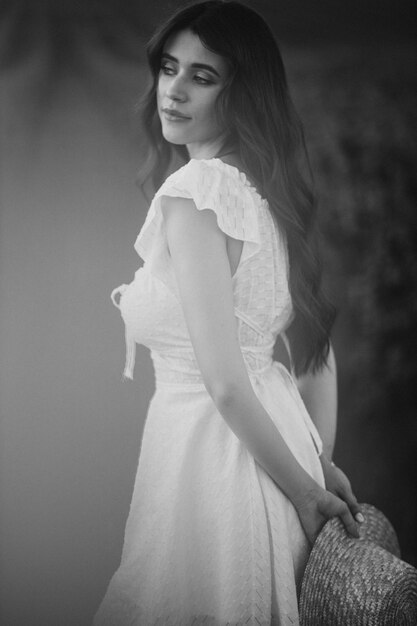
(211, 184)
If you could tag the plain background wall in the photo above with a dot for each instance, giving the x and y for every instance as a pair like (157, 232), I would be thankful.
(70, 431)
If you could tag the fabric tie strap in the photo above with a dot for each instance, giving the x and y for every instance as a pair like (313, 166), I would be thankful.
(130, 341)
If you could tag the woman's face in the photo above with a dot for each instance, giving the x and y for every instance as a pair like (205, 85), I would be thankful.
(190, 80)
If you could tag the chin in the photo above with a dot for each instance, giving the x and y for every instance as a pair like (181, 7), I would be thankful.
(175, 138)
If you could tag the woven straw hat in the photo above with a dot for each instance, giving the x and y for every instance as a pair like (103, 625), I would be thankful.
(358, 582)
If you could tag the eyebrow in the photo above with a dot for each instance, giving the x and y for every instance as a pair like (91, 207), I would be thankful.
(197, 66)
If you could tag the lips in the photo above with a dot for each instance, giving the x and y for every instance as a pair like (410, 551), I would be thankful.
(173, 114)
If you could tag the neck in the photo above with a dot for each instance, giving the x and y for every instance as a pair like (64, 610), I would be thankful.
(207, 150)
(219, 155)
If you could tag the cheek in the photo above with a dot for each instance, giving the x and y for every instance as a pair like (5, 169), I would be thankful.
(208, 111)
(161, 88)
(158, 91)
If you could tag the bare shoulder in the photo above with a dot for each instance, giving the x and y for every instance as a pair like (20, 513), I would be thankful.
(172, 206)
(183, 213)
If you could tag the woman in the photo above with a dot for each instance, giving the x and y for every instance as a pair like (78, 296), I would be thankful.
(232, 485)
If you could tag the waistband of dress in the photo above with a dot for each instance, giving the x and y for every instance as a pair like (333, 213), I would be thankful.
(198, 384)
(256, 377)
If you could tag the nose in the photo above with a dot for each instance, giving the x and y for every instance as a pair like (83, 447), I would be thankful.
(175, 89)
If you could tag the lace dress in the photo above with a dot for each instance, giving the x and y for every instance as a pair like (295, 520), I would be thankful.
(210, 539)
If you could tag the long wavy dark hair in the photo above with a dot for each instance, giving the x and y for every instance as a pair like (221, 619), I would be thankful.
(266, 132)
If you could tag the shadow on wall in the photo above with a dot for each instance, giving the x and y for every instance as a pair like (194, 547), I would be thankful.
(70, 212)
(359, 108)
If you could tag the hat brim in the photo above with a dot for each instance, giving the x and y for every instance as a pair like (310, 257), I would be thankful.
(353, 582)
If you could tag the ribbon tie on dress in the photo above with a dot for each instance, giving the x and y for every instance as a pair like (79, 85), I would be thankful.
(130, 341)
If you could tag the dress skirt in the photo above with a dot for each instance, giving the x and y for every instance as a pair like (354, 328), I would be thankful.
(210, 538)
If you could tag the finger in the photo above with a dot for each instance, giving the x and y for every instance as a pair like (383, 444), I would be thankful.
(348, 496)
(355, 509)
(348, 521)
(312, 534)
(359, 517)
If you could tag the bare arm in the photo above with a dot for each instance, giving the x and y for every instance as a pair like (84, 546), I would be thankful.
(319, 393)
(199, 257)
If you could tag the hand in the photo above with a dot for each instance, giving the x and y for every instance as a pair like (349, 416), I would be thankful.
(317, 506)
(338, 483)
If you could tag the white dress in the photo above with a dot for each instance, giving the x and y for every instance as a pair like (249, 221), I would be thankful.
(210, 539)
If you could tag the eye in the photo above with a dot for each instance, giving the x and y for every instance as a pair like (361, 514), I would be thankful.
(166, 69)
(202, 80)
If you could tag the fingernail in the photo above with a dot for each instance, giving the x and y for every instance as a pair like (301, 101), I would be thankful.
(359, 518)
